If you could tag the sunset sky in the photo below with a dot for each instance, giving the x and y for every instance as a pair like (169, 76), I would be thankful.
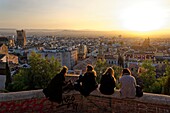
(135, 15)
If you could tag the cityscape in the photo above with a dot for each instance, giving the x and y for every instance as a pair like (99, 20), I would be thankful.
(34, 48)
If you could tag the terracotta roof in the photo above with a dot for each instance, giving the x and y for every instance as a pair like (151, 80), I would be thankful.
(82, 65)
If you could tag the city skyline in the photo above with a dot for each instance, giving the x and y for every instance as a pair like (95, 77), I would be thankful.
(128, 15)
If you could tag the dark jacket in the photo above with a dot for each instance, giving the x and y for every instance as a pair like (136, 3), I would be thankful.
(107, 84)
(89, 83)
(54, 88)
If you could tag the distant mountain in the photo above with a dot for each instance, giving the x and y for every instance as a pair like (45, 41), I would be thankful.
(87, 33)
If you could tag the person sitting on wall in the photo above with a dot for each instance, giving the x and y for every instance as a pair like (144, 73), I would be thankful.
(55, 88)
(128, 84)
(87, 83)
(107, 82)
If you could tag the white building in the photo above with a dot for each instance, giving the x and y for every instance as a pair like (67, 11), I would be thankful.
(111, 59)
(67, 57)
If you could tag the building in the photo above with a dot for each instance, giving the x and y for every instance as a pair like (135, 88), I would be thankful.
(4, 40)
(2, 58)
(100, 52)
(67, 57)
(82, 52)
(3, 49)
(81, 66)
(111, 59)
(146, 43)
(21, 38)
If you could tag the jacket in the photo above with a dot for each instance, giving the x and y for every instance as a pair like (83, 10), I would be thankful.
(107, 84)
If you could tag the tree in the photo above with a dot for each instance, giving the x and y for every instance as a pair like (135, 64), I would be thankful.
(148, 76)
(158, 85)
(8, 76)
(117, 71)
(120, 61)
(167, 82)
(38, 75)
(117, 74)
(100, 68)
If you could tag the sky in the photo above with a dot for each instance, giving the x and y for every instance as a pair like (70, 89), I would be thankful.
(134, 15)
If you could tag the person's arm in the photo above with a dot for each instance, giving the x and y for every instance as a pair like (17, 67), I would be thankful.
(101, 80)
(120, 82)
(134, 81)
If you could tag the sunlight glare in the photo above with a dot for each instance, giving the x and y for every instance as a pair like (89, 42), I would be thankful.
(143, 17)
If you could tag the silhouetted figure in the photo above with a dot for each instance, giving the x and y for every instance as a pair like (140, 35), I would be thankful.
(128, 84)
(87, 83)
(107, 82)
(54, 89)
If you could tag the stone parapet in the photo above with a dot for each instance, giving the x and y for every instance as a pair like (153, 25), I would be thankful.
(73, 102)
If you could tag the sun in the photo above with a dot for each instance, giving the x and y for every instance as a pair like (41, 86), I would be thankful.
(143, 17)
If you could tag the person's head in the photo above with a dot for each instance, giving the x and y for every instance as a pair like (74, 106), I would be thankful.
(90, 68)
(126, 71)
(110, 71)
(64, 70)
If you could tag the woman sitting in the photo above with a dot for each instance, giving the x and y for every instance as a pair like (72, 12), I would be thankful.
(107, 82)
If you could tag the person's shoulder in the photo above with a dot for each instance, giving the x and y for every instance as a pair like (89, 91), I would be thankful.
(133, 77)
(120, 79)
(89, 73)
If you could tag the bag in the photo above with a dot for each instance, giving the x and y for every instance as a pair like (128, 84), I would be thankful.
(77, 86)
(139, 91)
(46, 93)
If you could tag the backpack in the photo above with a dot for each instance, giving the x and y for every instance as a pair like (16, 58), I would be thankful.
(139, 91)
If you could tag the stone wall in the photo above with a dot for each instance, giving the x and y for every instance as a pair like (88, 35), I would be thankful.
(73, 102)
(2, 81)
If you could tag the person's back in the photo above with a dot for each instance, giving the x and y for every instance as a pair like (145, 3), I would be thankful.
(107, 84)
(54, 88)
(88, 81)
(128, 86)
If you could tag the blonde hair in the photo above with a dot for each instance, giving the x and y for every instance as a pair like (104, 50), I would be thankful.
(64, 70)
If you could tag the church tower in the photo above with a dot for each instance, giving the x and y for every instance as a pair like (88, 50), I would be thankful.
(21, 38)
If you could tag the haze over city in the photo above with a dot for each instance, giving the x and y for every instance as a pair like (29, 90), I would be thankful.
(85, 56)
(135, 16)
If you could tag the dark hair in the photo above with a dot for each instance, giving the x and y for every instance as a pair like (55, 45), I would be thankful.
(64, 70)
(126, 71)
(90, 68)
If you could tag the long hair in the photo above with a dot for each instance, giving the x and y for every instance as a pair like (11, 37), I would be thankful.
(64, 70)
(109, 71)
(126, 71)
(90, 68)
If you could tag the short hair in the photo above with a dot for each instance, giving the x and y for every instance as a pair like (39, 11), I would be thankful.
(126, 71)
(90, 68)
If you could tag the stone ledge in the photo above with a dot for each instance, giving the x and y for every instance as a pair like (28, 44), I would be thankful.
(146, 98)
